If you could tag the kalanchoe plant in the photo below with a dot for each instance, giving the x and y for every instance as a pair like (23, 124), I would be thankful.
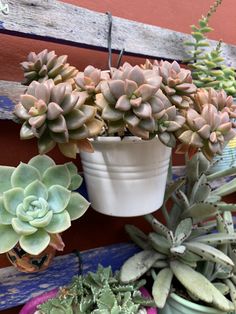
(54, 114)
(37, 204)
(47, 65)
(195, 238)
(98, 293)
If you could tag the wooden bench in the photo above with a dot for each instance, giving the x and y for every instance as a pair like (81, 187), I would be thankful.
(44, 20)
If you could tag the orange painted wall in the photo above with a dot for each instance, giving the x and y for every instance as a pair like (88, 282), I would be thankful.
(94, 229)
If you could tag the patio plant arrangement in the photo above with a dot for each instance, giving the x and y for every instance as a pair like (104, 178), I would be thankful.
(191, 257)
(138, 108)
(37, 205)
(100, 293)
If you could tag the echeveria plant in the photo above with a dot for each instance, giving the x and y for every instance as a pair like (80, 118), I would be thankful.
(37, 204)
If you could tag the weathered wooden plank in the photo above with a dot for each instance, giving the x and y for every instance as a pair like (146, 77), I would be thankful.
(17, 288)
(46, 20)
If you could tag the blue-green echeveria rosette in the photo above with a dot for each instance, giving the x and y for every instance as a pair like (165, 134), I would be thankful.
(37, 203)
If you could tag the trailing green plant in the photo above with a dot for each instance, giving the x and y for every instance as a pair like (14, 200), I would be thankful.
(37, 203)
(98, 293)
(209, 67)
(195, 236)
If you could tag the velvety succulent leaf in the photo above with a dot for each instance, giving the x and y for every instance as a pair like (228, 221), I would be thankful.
(23, 175)
(35, 243)
(10, 238)
(157, 225)
(220, 301)
(192, 280)
(22, 228)
(222, 173)
(41, 162)
(209, 253)
(5, 174)
(12, 198)
(201, 194)
(138, 265)
(216, 238)
(77, 206)
(36, 188)
(226, 188)
(59, 223)
(200, 211)
(183, 230)
(161, 287)
(58, 198)
(58, 174)
(138, 237)
(159, 243)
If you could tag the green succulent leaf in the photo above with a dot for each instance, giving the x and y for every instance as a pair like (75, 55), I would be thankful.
(58, 198)
(43, 221)
(5, 216)
(38, 189)
(12, 198)
(77, 206)
(161, 287)
(23, 175)
(22, 227)
(59, 223)
(192, 280)
(57, 175)
(138, 264)
(35, 243)
(5, 174)
(41, 163)
(10, 238)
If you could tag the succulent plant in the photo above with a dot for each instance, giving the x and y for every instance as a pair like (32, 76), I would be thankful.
(177, 83)
(47, 65)
(131, 100)
(208, 123)
(37, 204)
(98, 293)
(52, 113)
(195, 234)
(209, 67)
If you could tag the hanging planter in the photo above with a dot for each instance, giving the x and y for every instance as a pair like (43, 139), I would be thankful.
(126, 177)
(29, 263)
(178, 305)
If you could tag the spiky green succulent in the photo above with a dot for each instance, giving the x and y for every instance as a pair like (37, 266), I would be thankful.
(208, 123)
(195, 234)
(54, 115)
(47, 65)
(98, 293)
(37, 203)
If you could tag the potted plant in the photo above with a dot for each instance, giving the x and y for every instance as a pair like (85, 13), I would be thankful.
(99, 292)
(37, 205)
(209, 69)
(191, 258)
(146, 108)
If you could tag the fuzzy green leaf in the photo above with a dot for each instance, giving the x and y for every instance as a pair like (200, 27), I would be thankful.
(161, 287)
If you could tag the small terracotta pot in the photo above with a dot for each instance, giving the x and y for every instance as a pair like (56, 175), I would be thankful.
(28, 263)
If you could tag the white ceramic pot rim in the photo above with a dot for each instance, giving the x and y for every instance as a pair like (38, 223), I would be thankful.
(115, 139)
(192, 305)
